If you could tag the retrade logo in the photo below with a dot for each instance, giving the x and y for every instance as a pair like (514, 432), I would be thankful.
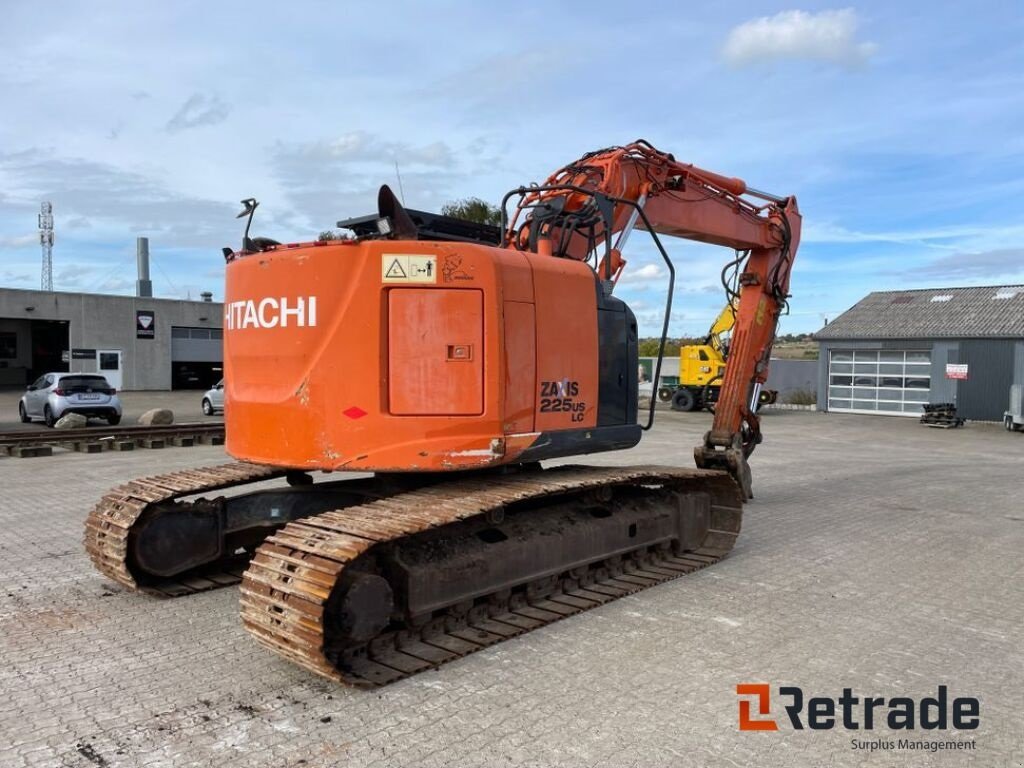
(853, 713)
(762, 693)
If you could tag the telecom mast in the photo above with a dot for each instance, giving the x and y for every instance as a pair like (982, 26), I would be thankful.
(46, 240)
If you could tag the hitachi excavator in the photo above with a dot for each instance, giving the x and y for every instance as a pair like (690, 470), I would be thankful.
(702, 367)
(443, 362)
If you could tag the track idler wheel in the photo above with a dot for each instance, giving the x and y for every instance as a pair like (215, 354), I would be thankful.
(361, 608)
(175, 539)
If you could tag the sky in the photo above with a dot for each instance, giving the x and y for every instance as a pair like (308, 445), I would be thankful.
(898, 126)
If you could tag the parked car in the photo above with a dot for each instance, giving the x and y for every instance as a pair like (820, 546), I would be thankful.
(53, 395)
(213, 399)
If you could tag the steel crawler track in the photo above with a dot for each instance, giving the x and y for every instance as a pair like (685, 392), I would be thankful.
(289, 592)
(109, 524)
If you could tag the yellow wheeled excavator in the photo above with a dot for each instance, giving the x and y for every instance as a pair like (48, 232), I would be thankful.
(702, 368)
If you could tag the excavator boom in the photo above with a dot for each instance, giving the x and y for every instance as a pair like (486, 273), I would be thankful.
(604, 194)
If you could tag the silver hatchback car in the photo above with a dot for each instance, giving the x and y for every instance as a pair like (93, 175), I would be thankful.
(213, 399)
(54, 394)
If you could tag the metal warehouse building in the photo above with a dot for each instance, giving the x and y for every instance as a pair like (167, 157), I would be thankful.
(137, 342)
(895, 350)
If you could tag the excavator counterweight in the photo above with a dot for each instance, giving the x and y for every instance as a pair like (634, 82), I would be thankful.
(450, 360)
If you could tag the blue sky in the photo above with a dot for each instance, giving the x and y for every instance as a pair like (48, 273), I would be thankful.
(899, 126)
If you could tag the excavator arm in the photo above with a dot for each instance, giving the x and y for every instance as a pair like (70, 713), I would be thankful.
(588, 209)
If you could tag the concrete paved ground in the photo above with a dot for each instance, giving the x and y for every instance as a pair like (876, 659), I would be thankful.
(879, 555)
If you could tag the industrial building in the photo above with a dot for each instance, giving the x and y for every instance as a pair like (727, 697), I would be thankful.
(895, 350)
(137, 342)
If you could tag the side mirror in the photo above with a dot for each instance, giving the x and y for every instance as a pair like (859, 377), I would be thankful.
(220, 386)
(30, 388)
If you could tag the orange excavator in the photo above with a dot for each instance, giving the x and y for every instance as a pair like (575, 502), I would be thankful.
(443, 361)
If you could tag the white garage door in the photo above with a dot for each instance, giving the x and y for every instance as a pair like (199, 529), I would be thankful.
(893, 382)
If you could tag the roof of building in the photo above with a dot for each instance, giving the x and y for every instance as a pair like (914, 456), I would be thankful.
(29, 293)
(959, 313)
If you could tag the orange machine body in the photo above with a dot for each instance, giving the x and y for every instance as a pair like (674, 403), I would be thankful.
(406, 355)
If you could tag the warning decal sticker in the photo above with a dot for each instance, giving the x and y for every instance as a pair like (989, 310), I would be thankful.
(405, 268)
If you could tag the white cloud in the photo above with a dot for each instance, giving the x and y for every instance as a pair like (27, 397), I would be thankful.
(987, 264)
(19, 241)
(975, 235)
(648, 273)
(197, 111)
(72, 273)
(361, 147)
(87, 190)
(825, 36)
(115, 285)
(331, 179)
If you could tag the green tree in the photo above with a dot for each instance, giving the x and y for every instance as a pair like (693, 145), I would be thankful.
(473, 209)
(649, 347)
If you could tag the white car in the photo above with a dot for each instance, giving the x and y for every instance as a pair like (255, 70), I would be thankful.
(213, 399)
(54, 394)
